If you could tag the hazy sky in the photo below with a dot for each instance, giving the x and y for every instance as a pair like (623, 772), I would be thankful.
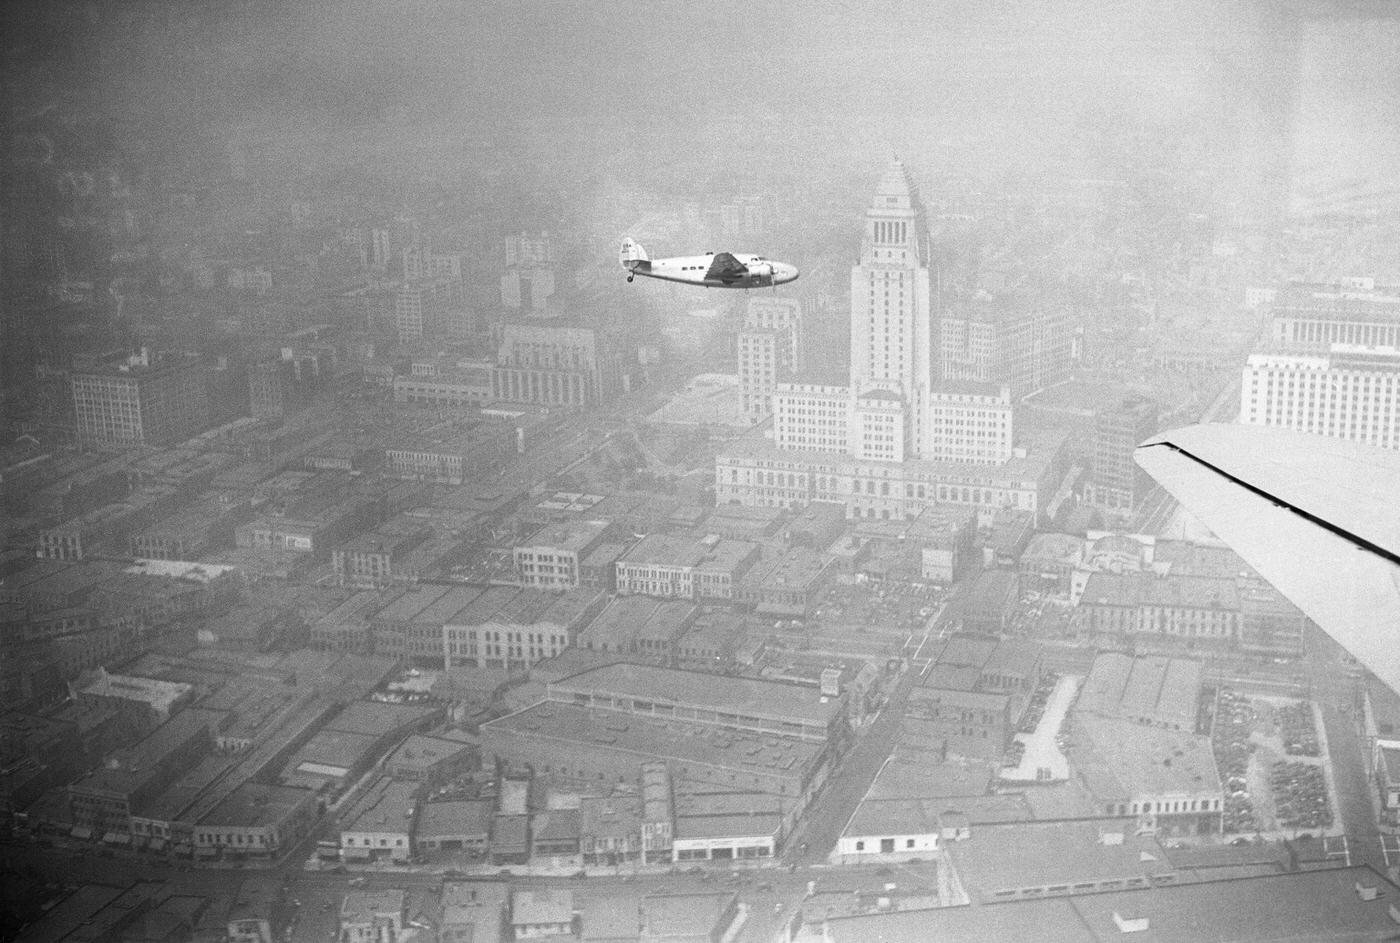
(1041, 84)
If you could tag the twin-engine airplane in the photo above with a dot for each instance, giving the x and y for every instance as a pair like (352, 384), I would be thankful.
(712, 270)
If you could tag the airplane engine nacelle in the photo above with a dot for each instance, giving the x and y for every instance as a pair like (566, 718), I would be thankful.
(762, 274)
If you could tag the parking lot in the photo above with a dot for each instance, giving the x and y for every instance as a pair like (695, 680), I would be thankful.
(885, 604)
(1271, 766)
(1039, 757)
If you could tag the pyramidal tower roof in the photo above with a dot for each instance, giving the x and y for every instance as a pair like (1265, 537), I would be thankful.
(896, 190)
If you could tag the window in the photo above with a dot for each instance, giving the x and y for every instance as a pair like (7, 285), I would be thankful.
(860, 846)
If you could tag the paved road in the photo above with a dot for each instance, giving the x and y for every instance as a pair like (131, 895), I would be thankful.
(1336, 690)
(823, 821)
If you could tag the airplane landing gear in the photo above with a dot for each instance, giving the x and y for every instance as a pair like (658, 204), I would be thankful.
(630, 277)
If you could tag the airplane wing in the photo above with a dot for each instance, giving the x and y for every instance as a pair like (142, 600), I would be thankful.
(1319, 518)
(726, 268)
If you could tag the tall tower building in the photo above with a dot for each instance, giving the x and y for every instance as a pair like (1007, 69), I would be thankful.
(891, 310)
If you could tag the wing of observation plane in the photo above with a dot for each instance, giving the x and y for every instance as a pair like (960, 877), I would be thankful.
(1319, 518)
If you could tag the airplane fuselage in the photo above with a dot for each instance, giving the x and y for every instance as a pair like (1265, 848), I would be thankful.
(756, 271)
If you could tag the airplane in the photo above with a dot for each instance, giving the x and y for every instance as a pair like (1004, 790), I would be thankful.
(1319, 518)
(713, 270)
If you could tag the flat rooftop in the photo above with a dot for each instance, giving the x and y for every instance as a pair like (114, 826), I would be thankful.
(1119, 759)
(1041, 854)
(895, 817)
(256, 804)
(1302, 905)
(424, 752)
(579, 729)
(407, 607)
(387, 806)
(456, 817)
(709, 691)
(570, 537)
(377, 718)
(1163, 690)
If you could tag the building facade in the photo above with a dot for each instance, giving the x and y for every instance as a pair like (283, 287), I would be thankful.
(1349, 393)
(1118, 483)
(891, 301)
(141, 401)
(1310, 318)
(970, 422)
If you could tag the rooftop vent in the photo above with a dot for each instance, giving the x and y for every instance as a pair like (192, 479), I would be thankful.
(1129, 924)
(1366, 892)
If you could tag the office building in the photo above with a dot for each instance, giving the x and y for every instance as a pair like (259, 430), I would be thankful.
(772, 312)
(423, 308)
(464, 383)
(1117, 483)
(480, 449)
(553, 557)
(1310, 318)
(1350, 392)
(142, 400)
(1025, 343)
(970, 422)
(684, 568)
(511, 628)
(811, 417)
(555, 365)
(768, 352)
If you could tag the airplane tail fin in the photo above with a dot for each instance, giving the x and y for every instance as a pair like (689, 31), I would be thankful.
(633, 256)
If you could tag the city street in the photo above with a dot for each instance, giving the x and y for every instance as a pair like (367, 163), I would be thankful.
(823, 821)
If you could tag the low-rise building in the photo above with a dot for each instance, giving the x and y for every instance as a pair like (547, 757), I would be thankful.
(555, 833)
(481, 449)
(258, 820)
(379, 826)
(889, 830)
(989, 603)
(1049, 562)
(455, 825)
(639, 625)
(429, 760)
(1166, 779)
(553, 558)
(701, 918)
(684, 568)
(957, 721)
(744, 705)
(946, 538)
(1151, 690)
(473, 912)
(102, 801)
(786, 585)
(511, 628)
(372, 916)
(603, 746)
(510, 838)
(1193, 609)
(610, 829)
(542, 913)
(377, 560)
(309, 526)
